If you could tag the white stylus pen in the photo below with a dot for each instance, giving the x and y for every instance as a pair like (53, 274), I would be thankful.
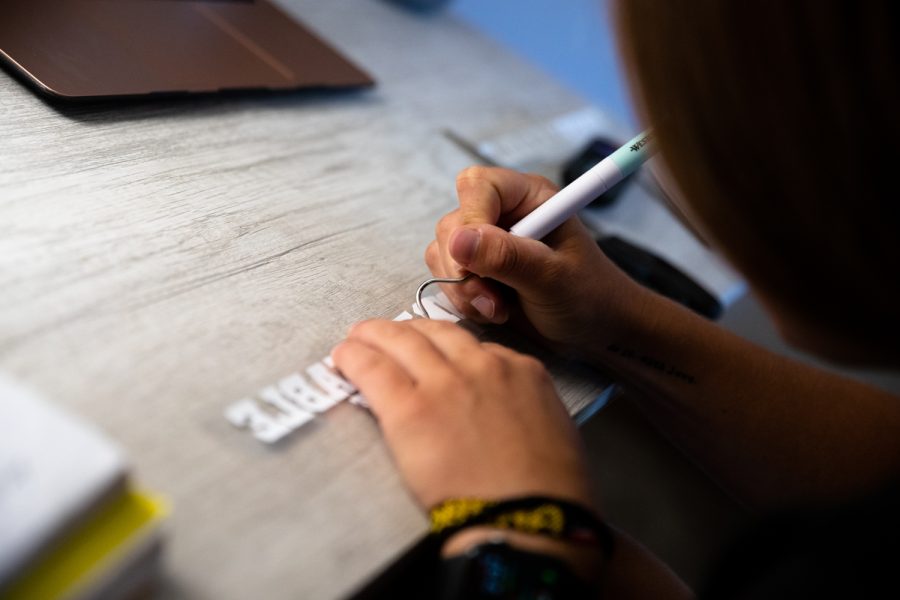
(569, 200)
(587, 188)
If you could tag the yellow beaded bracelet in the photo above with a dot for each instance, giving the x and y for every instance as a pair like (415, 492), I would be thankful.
(541, 515)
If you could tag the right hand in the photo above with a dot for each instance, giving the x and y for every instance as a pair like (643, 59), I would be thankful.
(566, 288)
(464, 418)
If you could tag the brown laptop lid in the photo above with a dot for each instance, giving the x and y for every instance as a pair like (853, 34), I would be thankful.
(94, 48)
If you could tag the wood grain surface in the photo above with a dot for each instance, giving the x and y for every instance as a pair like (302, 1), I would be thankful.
(161, 259)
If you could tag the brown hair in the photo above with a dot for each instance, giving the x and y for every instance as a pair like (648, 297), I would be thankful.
(778, 121)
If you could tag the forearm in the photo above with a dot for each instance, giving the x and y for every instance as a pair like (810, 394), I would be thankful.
(769, 429)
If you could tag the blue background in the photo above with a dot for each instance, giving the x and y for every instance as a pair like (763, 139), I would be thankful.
(570, 39)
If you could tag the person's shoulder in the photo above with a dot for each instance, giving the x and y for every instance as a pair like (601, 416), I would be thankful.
(846, 551)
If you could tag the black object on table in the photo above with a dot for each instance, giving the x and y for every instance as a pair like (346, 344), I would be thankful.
(660, 276)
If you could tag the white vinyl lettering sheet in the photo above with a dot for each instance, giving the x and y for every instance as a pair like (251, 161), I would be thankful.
(281, 408)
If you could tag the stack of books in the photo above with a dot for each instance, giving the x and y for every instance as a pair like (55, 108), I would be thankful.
(72, 526)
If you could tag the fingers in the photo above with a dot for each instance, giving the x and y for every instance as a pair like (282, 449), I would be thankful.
(488, 196)
(373, 372)
(499, 350)
(412, 351)
(388, 361)
(471, 358)
(454, 342)
(426, 350)
(477, 298)
(390, 358)
(495, 196)
(527, 363)
(489, 251)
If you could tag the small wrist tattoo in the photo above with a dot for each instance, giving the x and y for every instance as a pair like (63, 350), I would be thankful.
(653, 363)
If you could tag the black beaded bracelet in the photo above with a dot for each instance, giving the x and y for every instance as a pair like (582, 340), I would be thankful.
(553, 517)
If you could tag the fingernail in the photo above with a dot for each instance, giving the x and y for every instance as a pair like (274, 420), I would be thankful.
(485, 306)
(464, 245)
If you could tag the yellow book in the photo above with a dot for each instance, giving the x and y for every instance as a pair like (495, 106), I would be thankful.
(94, 555)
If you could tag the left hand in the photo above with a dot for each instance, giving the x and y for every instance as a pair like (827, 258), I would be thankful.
(464, 418)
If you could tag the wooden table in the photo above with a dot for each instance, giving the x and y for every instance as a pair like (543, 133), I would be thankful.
(160, 260)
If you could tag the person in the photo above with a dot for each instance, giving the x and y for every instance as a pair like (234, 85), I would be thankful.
(776, 124)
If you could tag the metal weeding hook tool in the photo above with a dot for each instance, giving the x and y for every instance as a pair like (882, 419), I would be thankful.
(421, 307)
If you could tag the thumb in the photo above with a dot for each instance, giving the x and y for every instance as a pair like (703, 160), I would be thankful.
(489, 251)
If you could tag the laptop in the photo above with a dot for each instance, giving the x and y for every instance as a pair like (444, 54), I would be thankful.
(86, 49)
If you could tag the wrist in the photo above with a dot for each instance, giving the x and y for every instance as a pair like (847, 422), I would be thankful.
(585, 562)
(657, 348)
(567, 532)
(631, 314)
